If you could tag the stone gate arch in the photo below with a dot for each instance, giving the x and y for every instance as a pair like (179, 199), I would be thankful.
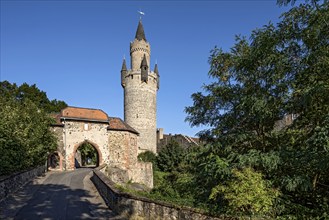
(114, 140)
(95, 146)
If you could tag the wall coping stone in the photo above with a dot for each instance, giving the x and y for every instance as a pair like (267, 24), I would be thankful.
(5, 177)
(111, 186)
(11, 183)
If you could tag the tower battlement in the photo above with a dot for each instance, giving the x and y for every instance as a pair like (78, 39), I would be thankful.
(135, 77)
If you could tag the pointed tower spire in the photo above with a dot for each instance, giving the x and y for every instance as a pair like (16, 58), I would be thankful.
(140, 34)
(144, 69)
(123, 72)
(144, 62)
(156, 71)
(124, 66)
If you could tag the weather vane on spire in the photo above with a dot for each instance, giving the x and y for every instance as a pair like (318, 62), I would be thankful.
(140, 12)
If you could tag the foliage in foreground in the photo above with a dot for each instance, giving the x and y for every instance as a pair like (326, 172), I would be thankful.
(246, 192)
(25, 137)
(282, 70)
(170, 175)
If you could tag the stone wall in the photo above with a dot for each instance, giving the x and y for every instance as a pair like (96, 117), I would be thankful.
(123, 164)
(133, 207)
(59, 134)
(13, 182)
(122, 147)
(142, 173)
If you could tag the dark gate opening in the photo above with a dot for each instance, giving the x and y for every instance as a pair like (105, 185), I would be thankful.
(54, 161)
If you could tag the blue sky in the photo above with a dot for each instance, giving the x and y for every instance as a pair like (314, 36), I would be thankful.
(73, 50)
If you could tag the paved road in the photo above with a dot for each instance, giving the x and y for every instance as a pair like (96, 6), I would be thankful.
(58, 195)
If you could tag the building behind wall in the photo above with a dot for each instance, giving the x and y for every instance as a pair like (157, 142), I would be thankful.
(183, 140)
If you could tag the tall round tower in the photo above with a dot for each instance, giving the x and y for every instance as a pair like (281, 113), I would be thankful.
(140, 86)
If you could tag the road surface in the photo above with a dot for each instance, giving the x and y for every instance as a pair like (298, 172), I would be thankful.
(57, 195)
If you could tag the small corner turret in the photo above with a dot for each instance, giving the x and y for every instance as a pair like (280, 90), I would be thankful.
(123, 72)
(144, 70)
(156, 71)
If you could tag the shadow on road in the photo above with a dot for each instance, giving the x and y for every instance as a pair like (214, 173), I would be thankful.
(54, 201)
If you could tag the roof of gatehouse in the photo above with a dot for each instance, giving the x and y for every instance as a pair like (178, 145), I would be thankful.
(91, 115)
(117, 124)
(85, 114)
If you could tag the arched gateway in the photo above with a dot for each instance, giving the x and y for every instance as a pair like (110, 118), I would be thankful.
(78, 160)
(114, 140)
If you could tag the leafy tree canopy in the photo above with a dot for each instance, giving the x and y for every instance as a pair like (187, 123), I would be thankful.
(171, 157)
(280, 70)
(25, 137)
(247, 192)
(32, 93)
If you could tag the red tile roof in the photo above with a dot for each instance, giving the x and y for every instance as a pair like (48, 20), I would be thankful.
(119, 125)
(84, 113)
(93, 115)
(57, 118)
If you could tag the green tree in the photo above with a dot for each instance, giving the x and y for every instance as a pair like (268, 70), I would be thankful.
(171, 157)
(89, 154)
(32, 93)
(247, 193)
(25, 138)
(147, 156)
(173, 180)
(282, 69)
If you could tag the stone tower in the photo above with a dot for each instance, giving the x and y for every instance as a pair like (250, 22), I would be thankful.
(140, 86)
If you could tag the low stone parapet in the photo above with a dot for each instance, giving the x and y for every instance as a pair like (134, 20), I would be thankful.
(136, 207)
(12, 183)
